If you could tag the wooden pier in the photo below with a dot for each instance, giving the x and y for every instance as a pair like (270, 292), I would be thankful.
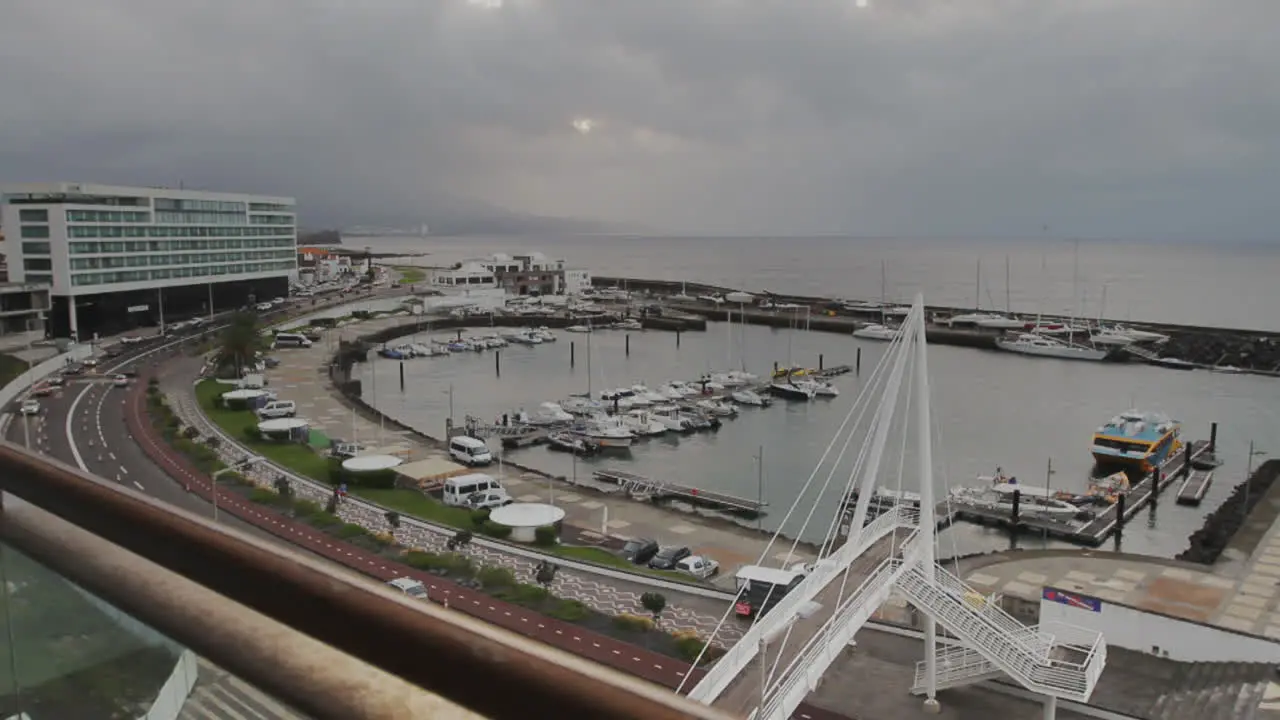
(662, 489)
(1194, 487)
(1106, 521)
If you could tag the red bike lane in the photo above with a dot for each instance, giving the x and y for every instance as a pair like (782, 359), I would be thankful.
(628, 658)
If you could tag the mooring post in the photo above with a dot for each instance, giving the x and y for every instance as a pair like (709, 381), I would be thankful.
(572, 355)
(401, 376)
(1157, 477)
(820, 360)
(1213, 437)
(459, 334)
(1119, 517)
(677, 339)
(1013, 515)
(628, 344)
(857, 363)
(497, 363)
(1186, 460)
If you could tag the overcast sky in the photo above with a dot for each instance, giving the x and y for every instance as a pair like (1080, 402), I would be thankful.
(1104, 118)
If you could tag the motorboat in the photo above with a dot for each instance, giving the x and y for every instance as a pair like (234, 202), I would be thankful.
(824, 389)
(543, 334)
(652, 397)
(972, 318)
(1225, 369)
(571, 443)
(717, 408)
(1173, 363)
(617, 399)
(677, 389)
(525, 338)
(750, 397)
(582, 406)
(792, 390)
(628, 324)
(578, 329)
(671, 417)
(731, 379)
(999, 495)
(876, 332)
(1000, 322)
(643, 424)
(392, 354)
(1040, 346)
(699, 420)
(608, 432)
(420, 350)
(549, 413)
(1136, 439)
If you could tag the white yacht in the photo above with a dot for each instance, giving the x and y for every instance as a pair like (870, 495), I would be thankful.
(824, 389)
(578, 329)
(876, 332)
(608, 432)
(677, 389)
(622, 399)
(628, 324)
(1110, 337)
(792, 390)
(1031, 500)
(549, 413)
(582, 406)
(543, 334)
(750, 397)
(669, 416)
(643, 424)
(717, 408)
(652, 397)
(1040, 346)
(1001, 322)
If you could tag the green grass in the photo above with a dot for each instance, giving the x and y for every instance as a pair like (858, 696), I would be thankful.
(415, 504)
(410, 275)
(10, 368)
(600, 556)
(298, 458)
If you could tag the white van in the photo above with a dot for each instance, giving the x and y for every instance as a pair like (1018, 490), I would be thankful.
(458, 490)
(278, 409)
(409, 586)
(291, 340)
(469, 451)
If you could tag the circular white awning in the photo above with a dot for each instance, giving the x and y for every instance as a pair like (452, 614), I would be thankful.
(244, 394)
(277, 425)
(527, 515)
(370, 463)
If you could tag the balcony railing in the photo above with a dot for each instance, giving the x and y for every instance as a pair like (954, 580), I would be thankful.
(322, 641)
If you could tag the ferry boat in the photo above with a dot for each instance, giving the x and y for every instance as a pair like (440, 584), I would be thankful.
(1137, 440)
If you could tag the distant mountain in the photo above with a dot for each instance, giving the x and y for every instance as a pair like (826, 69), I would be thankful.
(319, 237)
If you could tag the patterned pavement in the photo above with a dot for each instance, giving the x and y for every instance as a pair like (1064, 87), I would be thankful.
(219, 695)
(608, 597)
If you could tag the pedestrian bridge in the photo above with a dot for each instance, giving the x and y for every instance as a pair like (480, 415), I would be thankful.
(782, 657)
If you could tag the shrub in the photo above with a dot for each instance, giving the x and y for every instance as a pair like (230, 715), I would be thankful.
(324, 520)
(213, 442)
(494, 530)
(252, 432)
(545, 536)
(495, 578)
(190, 433)
(422, 560)
(349, 531)
(690, 646)
(263, 495)
(235, 478)
(479, 518)
(569, 611)
(529, 595)
(633, 623)
(458, 565)
(303, 508)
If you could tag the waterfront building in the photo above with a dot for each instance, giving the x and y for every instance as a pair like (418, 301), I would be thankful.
(468, 275)
(534, 274)
(121, 257)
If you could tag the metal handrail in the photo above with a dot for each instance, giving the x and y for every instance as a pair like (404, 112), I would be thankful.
(454, 656)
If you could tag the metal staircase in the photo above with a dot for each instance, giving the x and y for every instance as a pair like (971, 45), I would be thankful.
(1036, 659)
(958, 665)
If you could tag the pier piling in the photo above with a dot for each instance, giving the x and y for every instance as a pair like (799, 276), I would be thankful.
(401, 376)
(857, 362)
(1213, 437)
(820, 361)
(628, 344)
(677, 339)
(1186, 462)
(1119, 517)
(1157, 476)
(497, 363)
(775, 368)
(572, 355)
(1013, 513)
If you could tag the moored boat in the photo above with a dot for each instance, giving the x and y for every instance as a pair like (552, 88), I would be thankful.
(1137, 440)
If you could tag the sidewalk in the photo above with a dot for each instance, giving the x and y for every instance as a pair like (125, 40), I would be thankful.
(302, 376)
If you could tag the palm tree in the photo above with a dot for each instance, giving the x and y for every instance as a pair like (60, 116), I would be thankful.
(241, 341)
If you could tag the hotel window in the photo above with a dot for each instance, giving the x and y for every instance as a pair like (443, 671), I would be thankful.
(43, 264)
(40, 278)
(35, 248)
(35, 231)
(33, 216)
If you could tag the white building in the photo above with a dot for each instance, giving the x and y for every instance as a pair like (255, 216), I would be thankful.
(118, 257)
(466, 276)
(575, 281)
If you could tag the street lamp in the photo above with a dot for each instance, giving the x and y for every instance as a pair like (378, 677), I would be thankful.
(213, 480)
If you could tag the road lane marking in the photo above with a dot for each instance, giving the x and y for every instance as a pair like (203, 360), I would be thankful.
(139, 486)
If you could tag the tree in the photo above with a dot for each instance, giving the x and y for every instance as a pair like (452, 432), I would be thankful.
(240, 341)
(545, 573)
(654, 603)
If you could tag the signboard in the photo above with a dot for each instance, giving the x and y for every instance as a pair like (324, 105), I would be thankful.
(1070, 599)
(138, 308)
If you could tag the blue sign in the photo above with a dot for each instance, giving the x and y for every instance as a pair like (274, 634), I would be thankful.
(1070, 599)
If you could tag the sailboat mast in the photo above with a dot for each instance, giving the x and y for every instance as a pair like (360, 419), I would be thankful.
(883, 296)
(1008, 305)
(1075, 294)
(977, 288)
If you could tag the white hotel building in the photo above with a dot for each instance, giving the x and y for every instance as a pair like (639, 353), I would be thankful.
(120, 257)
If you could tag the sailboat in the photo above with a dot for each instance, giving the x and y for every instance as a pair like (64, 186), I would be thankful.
(1006, 321)
(881, 330)
(682, 296)
(1039, 345)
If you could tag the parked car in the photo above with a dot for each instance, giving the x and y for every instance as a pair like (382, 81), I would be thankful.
(30, 407)
(668, 557)
(489, 499)
(640, 550)
(698, 566)
(278, 409)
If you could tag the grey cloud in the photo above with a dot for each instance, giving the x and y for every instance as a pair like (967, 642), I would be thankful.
(912, 117)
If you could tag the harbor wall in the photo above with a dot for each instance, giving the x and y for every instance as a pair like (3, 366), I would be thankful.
(1157, 634)
(1255, 350)
(1236, 516)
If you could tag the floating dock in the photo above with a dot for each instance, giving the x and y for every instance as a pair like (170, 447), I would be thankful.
(1105, 522)
(660, 489)
(1194, 487)
(511, 436)
(884, 500)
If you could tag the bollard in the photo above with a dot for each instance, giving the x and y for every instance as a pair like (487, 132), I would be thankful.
(572, 355)
(401, 376)
(1119, 517)
(628, 344)
(820, 362)
(857, 363)
(677, 339)
(1157, 476)
(459, 334)
(1186, 460)
(1013, 514)
(1213, 437)
(497, 363)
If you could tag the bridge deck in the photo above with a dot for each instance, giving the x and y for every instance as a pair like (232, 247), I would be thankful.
(743, 693)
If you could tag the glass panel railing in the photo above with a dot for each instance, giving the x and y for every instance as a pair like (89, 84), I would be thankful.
(65, 653)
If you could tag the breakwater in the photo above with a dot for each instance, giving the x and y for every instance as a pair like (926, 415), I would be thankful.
(1235, 515)
(1255, 351)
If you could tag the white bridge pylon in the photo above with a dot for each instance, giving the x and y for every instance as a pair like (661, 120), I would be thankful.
(795, 642)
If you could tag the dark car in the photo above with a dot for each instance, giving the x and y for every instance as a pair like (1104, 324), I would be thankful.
(667, 557)
(640, 551)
